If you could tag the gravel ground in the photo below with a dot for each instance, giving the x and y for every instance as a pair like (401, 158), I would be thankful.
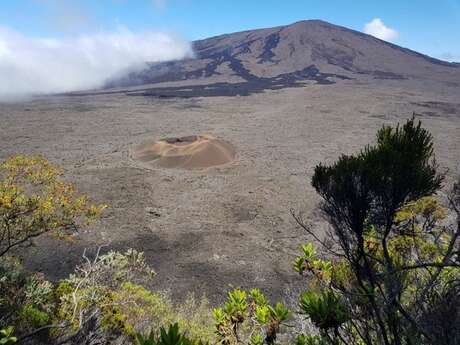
(205, 231)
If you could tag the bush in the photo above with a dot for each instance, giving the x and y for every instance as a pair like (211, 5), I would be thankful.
(134, 309)
(389, 257)
(34, 200)
(170, 337)
(30, 317)
(27, 299)
(325, 309)
(248, 318)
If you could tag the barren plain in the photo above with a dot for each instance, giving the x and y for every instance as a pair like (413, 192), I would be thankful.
(205, 230)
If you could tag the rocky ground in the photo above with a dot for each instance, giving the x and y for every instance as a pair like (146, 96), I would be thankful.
(206, 230)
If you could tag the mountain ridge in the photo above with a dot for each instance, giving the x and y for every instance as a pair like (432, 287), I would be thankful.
(322, 22)
(290, 55)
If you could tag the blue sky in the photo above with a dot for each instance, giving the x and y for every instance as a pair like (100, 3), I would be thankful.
(428, 26)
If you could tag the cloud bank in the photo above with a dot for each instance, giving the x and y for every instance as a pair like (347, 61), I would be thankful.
(377, 28)
(30, 66)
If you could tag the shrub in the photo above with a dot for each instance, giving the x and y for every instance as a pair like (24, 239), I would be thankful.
(112, 287)
(34, 200)
(248, 318)
(391, 256)
(27, 299)
(134, 309)
(93, 285)
(325, 309)
(172, 336)
(30, 317)
(12, 282)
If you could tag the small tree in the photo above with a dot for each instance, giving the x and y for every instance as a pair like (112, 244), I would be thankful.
(390, 256)
(34, 200)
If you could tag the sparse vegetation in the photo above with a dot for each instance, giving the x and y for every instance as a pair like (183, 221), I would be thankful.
(248, 318)
(389, 258)
(387, 272)
(34, 200)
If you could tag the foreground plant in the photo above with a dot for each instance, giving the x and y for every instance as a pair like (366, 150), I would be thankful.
(389, 273)
(248, 318)
(6, 336)
(107, 292)
(34, 200)
(172, 336)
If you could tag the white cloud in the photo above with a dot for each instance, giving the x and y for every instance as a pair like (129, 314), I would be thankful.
(41, 66)
(377, 28)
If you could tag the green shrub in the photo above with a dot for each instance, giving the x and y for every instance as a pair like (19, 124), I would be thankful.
(303, 339)
(26, 298)
(325, 309)
(170, 337)
(39, 293)
(392, 261)
(29, 317)
(196, 318)
(34, 200)
(12, 281)
(134, 309)
(248, 318)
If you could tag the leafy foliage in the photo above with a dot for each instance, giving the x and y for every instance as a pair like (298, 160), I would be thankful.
(27, 300)
(112, 287)
(6, 336)
(248, 318)
(391, 254)
(34, 200)
(93, 285)
(325, 309)
(172, 336)
(303, 339)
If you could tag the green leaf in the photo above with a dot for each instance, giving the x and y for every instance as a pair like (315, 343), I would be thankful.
(279, 313)
(256, 339)
(298, 264)
(258, 297)
(308, 250)
(6, 336)
(262, 314)
(325, 309)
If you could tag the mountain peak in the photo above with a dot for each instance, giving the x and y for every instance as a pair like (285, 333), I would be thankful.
(293, 54)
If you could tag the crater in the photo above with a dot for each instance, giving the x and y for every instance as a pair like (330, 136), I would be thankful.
(189, 152)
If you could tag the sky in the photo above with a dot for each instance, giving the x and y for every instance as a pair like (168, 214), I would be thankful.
(428, 26)
(89, 40)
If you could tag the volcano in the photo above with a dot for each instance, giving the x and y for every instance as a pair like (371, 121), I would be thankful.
(286, 56)
(191, 152)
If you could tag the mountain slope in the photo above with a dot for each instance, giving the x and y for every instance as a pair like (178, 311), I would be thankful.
(283, 56)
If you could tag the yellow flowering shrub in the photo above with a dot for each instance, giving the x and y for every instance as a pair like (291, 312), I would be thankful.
(34, 200)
